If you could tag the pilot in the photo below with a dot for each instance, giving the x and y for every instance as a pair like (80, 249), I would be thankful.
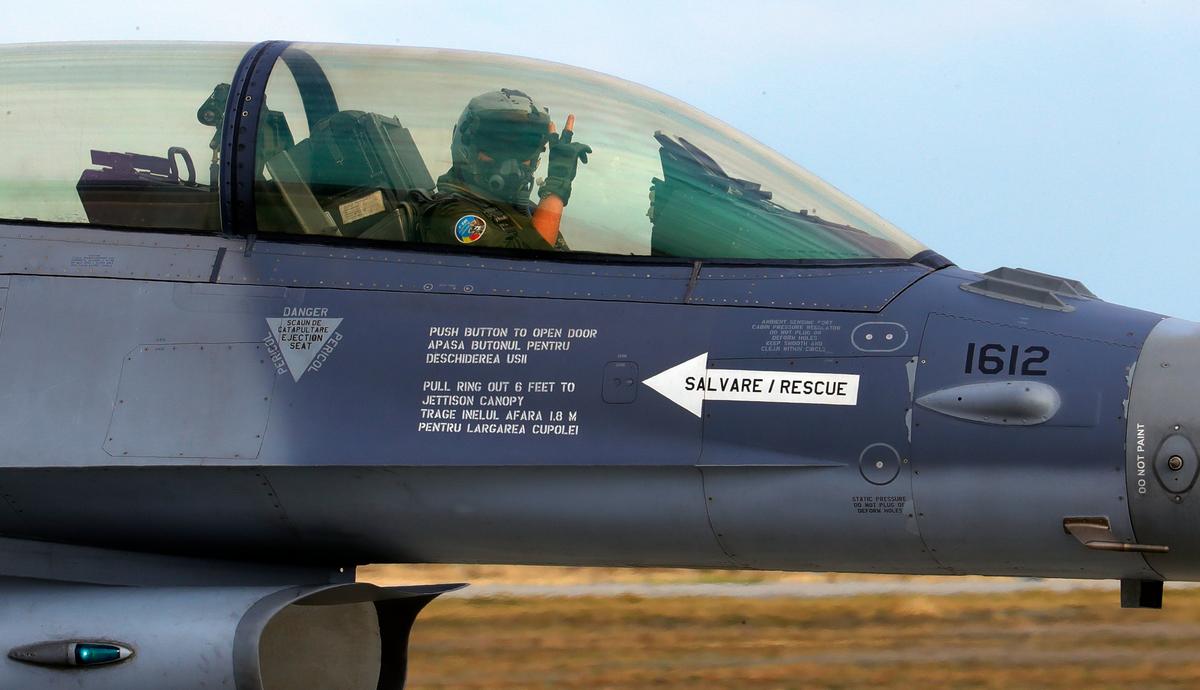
(483, 200)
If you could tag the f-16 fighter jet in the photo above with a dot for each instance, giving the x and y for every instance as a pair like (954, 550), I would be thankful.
(271, 312)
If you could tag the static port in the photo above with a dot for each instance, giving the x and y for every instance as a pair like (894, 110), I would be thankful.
(1175, 463)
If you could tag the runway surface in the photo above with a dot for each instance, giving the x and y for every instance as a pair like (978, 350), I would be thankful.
(801, 590)
(571, 629)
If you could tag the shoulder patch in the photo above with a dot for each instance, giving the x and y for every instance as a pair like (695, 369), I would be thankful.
(469, 228)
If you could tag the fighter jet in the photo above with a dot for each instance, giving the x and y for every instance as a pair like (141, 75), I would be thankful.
(271, 312)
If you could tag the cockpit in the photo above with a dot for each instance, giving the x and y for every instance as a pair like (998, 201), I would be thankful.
(403, 146)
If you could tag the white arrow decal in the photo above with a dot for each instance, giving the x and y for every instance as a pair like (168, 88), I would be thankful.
(690, 383)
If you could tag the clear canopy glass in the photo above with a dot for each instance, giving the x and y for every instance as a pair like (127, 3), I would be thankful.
(128, 114)
(360, 143)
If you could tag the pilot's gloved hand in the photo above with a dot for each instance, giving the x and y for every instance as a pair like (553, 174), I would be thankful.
(565, 157)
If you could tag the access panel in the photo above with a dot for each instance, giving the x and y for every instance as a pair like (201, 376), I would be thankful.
(815, 481)
(1014, 429)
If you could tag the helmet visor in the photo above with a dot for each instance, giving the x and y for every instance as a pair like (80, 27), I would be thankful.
(519, 139)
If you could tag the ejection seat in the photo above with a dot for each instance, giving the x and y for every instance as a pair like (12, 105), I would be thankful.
(137, 190)
(140, 190)
(358, 174)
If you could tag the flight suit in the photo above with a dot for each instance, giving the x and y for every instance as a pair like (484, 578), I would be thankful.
(464, 219)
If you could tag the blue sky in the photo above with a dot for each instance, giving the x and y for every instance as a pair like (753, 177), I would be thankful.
(1062, 137)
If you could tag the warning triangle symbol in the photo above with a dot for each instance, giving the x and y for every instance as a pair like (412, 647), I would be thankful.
(305, 338)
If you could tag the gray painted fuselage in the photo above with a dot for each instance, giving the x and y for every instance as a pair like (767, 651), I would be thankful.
(469, 408)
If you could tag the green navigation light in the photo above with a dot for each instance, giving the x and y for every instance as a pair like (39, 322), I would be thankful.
(71, 653)
(92, 653)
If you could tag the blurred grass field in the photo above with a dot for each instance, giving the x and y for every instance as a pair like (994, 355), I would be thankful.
(1033, 639)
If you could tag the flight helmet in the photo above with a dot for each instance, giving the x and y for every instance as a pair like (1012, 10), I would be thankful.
(498, 143)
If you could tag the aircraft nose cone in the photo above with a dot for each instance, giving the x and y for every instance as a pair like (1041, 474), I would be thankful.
(1163, 433)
